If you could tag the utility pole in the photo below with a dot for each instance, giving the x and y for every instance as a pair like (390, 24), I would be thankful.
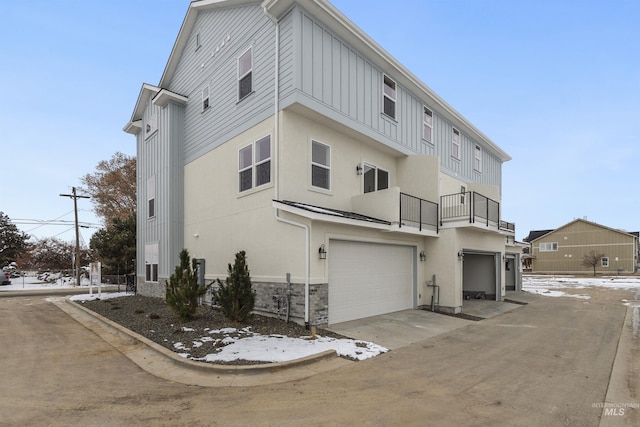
(75, 198)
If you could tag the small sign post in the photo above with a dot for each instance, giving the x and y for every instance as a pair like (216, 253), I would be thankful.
(95, 273)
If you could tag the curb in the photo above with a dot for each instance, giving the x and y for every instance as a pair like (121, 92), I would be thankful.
(155, 358)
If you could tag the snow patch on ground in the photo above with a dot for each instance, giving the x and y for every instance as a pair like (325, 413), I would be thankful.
(555, 286)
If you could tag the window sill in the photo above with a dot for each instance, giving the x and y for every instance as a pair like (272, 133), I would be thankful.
(388, 117)
(254, 190)
(245, 97)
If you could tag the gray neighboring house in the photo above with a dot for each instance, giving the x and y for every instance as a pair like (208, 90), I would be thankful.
(282, 129)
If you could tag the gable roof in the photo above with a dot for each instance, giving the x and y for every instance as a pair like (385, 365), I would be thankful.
(536, 234)
(345, 28)
(586, 222)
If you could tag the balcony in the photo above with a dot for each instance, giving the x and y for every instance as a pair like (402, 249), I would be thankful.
(475, 209)
(405, 212)
(418, 213)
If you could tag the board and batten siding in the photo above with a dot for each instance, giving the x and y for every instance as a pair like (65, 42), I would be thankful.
(160, 157)
(224, 35)
(331, 75)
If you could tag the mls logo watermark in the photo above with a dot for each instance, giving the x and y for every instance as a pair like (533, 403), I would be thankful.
(615, 409)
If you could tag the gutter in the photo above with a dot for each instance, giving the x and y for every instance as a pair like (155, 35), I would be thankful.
(276, 140)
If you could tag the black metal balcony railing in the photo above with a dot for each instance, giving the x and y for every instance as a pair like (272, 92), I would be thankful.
(417, 212)
(475, 207)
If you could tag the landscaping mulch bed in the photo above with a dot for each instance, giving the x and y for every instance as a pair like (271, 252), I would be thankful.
(154, 319)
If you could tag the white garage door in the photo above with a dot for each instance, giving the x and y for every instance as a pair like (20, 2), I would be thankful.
(367, 279)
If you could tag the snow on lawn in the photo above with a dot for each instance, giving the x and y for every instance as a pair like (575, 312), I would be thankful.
(266, 348)
(551, 285)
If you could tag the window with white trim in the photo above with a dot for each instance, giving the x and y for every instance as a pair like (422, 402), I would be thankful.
(427, 124)
(604, 261)
(455, 144)
(151, 262)
(477, 159)
(389, 97)
(320, 165)
(548, 247)
(375, 179)
(245, 72)
(151, 197)
(254, 164)
(205, 98)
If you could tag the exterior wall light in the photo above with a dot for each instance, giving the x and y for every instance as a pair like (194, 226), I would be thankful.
(358, 169)
(460, 256)
(322, 252)
(423, 256)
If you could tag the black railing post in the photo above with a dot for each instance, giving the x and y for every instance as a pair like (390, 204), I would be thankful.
(400, 219)
(420, 213)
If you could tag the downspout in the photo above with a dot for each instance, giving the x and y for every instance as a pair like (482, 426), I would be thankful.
(276, 140)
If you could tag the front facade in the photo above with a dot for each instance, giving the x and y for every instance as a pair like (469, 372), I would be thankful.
(281, 129)
(563, 250)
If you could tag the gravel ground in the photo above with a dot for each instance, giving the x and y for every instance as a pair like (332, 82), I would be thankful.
(154, 319)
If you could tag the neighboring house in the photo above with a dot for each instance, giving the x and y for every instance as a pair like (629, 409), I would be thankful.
(563, 250)
(281, 129)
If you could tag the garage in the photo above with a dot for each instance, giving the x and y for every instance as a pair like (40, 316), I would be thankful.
(368, 279)
(479, 276)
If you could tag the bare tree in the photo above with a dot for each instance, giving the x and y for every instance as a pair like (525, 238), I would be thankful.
(113, 187)
(592, 259)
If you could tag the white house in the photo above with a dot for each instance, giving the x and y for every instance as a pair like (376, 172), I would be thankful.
(281, 129)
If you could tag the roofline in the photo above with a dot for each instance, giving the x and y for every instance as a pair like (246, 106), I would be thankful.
(588, 222)
(343, 26)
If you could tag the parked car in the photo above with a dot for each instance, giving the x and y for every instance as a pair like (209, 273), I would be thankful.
(4, 278)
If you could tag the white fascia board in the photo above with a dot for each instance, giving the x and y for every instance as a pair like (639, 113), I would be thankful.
(146, 92)
(133, 127)
(195, 7)
(163, 97)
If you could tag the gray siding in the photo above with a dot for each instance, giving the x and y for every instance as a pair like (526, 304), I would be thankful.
(225, 34)
(332, 77)
(160, 156)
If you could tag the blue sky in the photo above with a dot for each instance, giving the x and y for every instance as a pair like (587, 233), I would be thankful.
(556, 84)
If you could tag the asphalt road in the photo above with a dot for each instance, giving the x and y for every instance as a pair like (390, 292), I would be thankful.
(546, 363)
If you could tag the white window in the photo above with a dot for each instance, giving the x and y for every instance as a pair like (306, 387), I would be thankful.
(320, 165)
(427, 124)
(254, 164)
(604, 261)
(375, 178)
(389, 97)
(151, 262)
(151, 197)
(245, 71)
(205, 98)
(477, 159)
(455, 144)
(548, 247)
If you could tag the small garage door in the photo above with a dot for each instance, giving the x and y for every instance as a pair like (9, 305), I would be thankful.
(479, 275)
(367, 279)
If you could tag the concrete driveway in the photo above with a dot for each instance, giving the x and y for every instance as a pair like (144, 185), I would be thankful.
(555, 361)
(403, 328)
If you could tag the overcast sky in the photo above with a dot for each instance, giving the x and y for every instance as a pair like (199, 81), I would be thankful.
(556, 84)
